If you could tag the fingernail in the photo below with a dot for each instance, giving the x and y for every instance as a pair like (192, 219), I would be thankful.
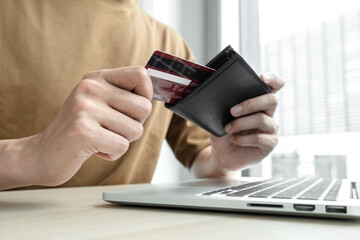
(236, 110)
(228, 128)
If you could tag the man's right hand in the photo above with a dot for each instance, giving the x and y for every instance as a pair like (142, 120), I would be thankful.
(102, 115)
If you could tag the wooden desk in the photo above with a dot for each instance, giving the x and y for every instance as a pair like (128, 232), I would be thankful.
(80, 213)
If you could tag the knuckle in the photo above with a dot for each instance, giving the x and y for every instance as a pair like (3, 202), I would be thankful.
(140, 73)
(135, 131)
(139, 129)
(144, 108)
(82, 105)
(273, 99)
(147, 107)
(258, 139)
(80, 123)
(263, 119)
(88, 86)
(122, 145)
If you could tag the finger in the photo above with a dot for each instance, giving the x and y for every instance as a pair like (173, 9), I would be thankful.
(130, 104)
(109, 145)
(265, 142)
(133, 79)
(120, 124)
(274, 81)
(265, 103)
(258, 121)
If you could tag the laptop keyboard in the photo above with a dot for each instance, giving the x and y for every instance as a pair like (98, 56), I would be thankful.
(299, 188)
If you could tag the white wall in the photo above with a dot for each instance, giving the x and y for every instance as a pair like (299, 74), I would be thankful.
(185, 16)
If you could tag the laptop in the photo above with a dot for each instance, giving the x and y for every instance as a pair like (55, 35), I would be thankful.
(318, 197)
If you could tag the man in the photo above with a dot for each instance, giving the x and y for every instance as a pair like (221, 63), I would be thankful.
(57, 138)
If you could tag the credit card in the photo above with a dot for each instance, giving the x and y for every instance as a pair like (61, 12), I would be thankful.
(174, 77)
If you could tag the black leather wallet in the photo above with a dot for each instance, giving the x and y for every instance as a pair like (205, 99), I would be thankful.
(233, 82)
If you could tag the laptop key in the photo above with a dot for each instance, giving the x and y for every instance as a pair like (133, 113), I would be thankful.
(233, 188)
(270, 191)
(216, 191)
(247, 185)
(248, 191)
(292, 192)
(333, 192)
(316, 191)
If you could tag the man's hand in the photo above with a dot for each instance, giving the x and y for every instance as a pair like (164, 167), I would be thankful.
(102, 115)
(249, 139)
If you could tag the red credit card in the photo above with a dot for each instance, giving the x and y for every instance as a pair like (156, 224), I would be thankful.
(173, 77)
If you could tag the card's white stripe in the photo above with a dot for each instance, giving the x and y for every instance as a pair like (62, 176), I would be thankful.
(169, 77)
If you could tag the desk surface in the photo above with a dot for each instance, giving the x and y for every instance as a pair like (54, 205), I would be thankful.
(80, 213)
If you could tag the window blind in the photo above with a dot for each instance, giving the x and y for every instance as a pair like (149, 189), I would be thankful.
(321, 68)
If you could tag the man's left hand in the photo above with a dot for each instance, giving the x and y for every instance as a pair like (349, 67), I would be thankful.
(250, 137)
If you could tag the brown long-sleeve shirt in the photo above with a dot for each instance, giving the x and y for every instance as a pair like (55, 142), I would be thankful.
(45, 49)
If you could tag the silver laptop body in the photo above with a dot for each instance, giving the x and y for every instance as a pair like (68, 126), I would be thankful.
(337, 198)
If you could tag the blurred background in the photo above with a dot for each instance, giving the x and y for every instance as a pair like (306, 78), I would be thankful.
(314, 45)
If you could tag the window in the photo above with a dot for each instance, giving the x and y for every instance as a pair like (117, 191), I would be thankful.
(315, 46)
(317, 51)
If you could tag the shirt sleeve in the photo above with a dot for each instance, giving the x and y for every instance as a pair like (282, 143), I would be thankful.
(186, 140)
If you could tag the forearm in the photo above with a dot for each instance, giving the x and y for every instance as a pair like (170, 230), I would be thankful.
(16, 163)
(205, 165)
